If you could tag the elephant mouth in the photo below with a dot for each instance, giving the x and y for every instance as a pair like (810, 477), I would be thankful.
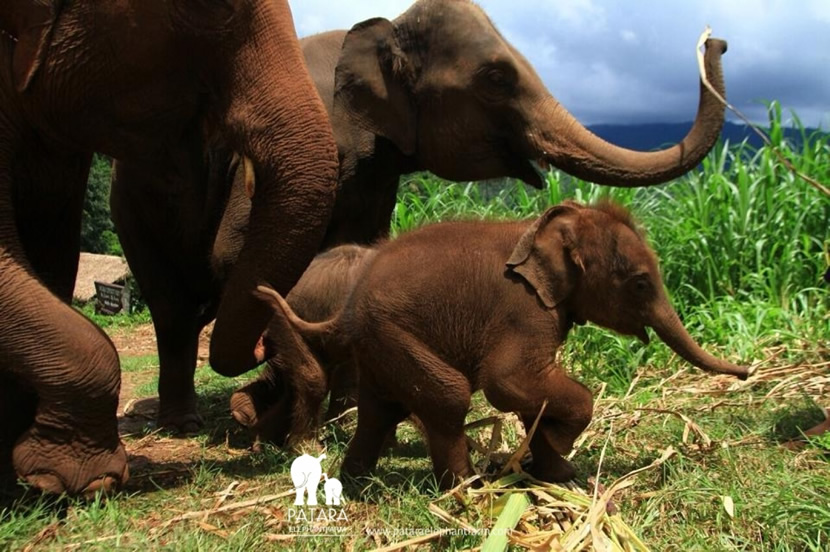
(530, 171)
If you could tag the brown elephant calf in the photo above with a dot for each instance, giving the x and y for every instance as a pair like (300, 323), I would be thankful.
(282, 406)
(456, 307)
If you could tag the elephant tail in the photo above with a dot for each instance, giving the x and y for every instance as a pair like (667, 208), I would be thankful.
(322, 336)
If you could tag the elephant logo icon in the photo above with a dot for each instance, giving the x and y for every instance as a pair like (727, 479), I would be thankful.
(333, 489)
(305, 474)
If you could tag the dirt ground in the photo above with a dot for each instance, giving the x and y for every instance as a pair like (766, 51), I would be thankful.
(153, 453)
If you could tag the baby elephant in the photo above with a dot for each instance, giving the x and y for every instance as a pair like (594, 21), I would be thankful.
(284, 402)
(456, 307)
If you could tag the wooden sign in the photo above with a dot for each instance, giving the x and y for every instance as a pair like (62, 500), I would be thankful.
(111, 298)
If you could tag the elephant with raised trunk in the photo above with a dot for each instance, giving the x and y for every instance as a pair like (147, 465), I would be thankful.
(166, 87)
(453, 308)
(438, 89)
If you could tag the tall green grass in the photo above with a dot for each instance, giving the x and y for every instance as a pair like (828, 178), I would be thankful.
(741, 242)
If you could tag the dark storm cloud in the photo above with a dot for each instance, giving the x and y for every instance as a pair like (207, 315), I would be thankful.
(634, 62)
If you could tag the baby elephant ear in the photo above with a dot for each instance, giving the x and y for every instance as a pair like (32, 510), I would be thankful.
(542, 258)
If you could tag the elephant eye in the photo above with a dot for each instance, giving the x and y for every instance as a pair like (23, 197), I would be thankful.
(497, 80)
(497, 77)
(641, 284)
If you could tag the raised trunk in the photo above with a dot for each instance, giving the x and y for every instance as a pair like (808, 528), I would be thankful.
(670, 329)
(573, 148)
(275, 118)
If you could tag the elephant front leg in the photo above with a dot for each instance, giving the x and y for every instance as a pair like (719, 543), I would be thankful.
(567, 413)
(17, 411)
(264, 406)
(166, 232)
(73, 445)
(178, 347)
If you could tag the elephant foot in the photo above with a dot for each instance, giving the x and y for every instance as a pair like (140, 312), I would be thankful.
(244, 407)
(182, 423)
(250, 402)
(265, 409)
(554, 470)
(76, 468)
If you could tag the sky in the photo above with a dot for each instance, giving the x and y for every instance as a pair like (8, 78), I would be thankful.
(629, 62)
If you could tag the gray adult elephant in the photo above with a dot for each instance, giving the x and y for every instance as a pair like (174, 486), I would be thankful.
(155, 84)
(436, 89)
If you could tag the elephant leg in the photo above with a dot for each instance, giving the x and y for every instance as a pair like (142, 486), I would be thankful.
(567, 414)
(17, 410)
(442, 406)
(308, 389)
(51, 249)
(178, 344)
(72, 445)
(376, 418)
(343, 384)
(448, 450)
(160, 218)
(441, 402)
(50, 231)
(250, 402)
(265, 406)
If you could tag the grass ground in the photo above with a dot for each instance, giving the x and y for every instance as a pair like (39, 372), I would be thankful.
(729, 485)
(742, 249)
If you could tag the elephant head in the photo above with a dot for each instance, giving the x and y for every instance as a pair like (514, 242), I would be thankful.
(140, 94)
(443, 85)
(596, 265)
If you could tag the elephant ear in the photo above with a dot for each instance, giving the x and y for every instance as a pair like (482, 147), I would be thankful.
(31, 24)
(546, 256)
(373, 83)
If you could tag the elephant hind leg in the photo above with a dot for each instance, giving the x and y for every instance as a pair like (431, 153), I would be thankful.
(376, 419)
(441, 401)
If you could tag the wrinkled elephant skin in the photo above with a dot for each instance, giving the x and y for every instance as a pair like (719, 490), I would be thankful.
(381, 82)
(429, 324)
(119, 78)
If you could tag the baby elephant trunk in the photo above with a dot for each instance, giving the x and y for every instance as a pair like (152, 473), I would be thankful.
(674, 334)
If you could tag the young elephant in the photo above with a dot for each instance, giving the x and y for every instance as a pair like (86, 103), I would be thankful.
(438, 314)
(284, 402)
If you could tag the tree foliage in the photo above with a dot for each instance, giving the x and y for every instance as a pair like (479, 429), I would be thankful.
(97, 231)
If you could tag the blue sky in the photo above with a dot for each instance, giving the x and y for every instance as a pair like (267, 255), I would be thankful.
(634, 61)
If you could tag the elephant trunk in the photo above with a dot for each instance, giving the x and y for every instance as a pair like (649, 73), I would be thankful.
(566, 144)
(671, 330)
(274, 116)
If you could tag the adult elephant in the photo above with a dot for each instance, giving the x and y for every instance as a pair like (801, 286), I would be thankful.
(151, 83)
(436, 89)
